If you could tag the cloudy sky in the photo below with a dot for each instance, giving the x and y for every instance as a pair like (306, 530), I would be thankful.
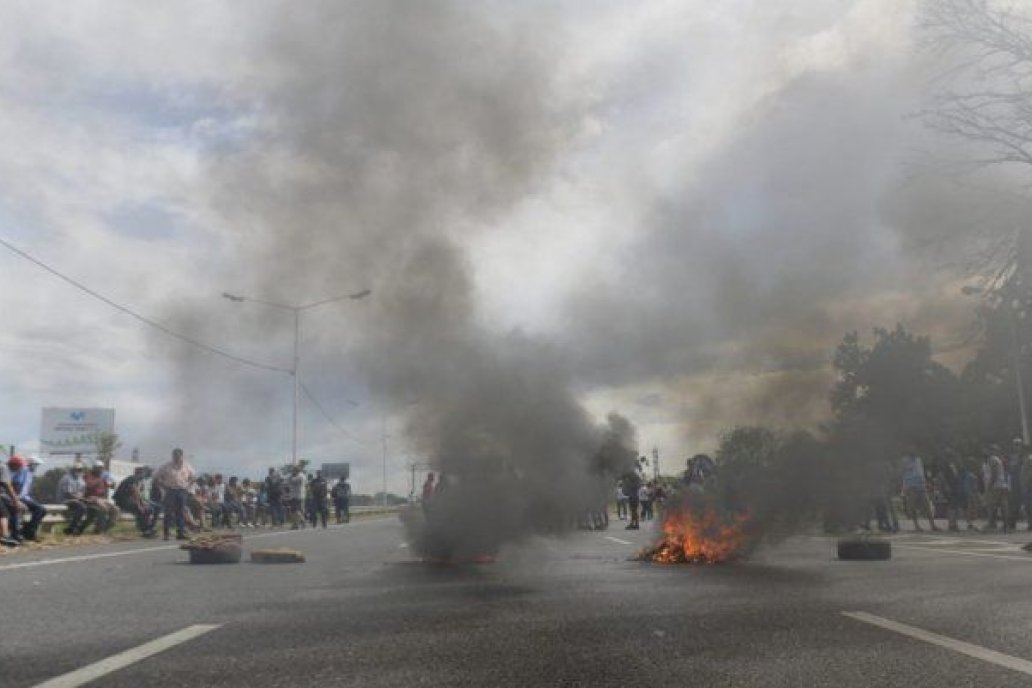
(685, 204)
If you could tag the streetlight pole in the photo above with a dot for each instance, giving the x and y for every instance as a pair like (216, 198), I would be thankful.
(295, 369)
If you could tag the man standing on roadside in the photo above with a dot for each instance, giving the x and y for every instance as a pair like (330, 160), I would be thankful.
(342, 500)
(274, 493)
(175, 478)
(997, 489)
(320, 492)
(296, 497)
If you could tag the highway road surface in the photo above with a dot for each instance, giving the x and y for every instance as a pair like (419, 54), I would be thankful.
(946, 611)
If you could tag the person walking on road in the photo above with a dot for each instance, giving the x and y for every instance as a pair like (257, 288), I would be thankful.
(997, 489)
(175, 478)
(915, 491)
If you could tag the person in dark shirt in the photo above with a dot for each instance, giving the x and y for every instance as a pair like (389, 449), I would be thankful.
(341, 500)
(129, 497)
(631, 482)
(274, 493)
(320, 491)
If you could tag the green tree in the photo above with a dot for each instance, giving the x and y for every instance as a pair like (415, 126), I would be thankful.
(107, 444)
(894, 396)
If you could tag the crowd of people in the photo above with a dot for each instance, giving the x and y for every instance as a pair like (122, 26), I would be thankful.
(636, 500)
(996, 488)
(174, 497)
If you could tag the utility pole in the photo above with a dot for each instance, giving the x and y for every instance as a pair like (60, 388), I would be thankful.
(384, 428)
(295, 368)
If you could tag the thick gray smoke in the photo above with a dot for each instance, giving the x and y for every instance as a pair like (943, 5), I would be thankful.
(388, 132)
(384, 137)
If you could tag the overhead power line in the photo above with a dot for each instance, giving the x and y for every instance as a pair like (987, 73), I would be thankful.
(328, 417)
(144, 319)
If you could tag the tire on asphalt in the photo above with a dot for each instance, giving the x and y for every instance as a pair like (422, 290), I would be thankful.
(864, 550)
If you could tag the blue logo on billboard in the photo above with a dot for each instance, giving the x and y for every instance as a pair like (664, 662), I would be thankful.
(77, 415)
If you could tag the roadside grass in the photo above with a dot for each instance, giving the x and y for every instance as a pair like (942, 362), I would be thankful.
(125, 531)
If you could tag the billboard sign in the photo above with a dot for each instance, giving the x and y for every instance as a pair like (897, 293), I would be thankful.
(74, 430)
(332, 471)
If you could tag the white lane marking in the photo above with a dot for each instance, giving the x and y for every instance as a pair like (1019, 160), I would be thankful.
(126, 552)
(976, 651)
(964, 552)
(92, 672)
(403, 545)
(83, 557)
(617, 540)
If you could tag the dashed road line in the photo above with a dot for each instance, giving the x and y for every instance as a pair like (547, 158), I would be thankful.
(92, 672)
(964, 648)
(617, 540)
(963, 552)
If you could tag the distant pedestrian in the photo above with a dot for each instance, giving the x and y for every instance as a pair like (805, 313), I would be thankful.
(972, 495)
(915, 491)
(296, 497)
(320, 493)
(274, 493)
(997, 489)
(621, 502)
(631, 487)
(949, 484)
(342, 500)
(428, 493)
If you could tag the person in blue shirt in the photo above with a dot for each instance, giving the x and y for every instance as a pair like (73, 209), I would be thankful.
(22, 474)
(915, 491)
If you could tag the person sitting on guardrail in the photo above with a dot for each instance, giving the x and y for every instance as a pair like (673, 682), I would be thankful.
(12, 506)
(129, 497)
(5, 521)
(22, 473)
(97, 486)
(220, 517)
(71, 490)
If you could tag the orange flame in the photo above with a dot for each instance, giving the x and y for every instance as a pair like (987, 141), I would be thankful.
(699, 536)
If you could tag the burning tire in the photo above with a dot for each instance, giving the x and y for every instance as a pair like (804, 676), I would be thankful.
(864, 550)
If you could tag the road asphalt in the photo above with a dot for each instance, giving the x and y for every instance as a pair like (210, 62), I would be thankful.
(947, 610)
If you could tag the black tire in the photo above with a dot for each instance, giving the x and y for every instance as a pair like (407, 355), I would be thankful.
(216, 556)
(864, 550)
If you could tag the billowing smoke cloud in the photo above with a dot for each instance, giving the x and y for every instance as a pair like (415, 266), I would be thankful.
(387, 133)
(384, 140)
